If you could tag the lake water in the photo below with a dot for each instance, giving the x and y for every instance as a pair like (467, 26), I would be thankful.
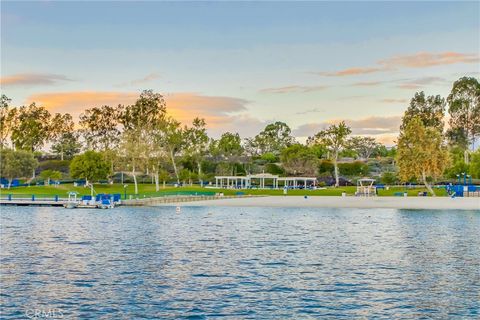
(240, 263)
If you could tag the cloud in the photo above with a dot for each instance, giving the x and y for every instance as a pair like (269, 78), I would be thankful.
(294, 89)
(217, 111)
(366, 83)
(32, 79)
(394, 100)
(366, 126)
(427, 59)
(417, 60)
(148, 78)
(243, 124)
(76, 102)
(383, 129)
(421, 82)
(313, 110)
(351, 72)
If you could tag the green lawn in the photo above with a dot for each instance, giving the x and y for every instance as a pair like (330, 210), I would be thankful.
(148, 190)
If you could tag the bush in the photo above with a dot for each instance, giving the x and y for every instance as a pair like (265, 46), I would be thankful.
(55, 165)
(269, 157)
(325, 166)
(356, 168)
(272, 168)
(389, 178)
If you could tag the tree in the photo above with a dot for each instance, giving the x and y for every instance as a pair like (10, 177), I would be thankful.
(475, 165)
(174, 141)
(196, 140)
(299, 160)
(61, 132)
(146, 112)
(7, 120)
(133, 150)
(334, 138)
(90, 166)
(185, 175)
(163, 176)
(229, 147)
(389, 178)
(421, 153)
(32, 128)
(274, 138)
(430, 110)
(67, 145)
(464, 110)
(16, 164)
(363, 146)
(100, 127)
(144, 133)
(50, 174)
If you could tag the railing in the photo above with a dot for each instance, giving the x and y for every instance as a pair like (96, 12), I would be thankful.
(32, 197)
(178, 199)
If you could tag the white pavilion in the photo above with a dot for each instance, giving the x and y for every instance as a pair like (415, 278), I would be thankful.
(263, 181)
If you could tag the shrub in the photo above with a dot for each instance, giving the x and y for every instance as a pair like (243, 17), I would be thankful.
(273, 168)
(55, 165)
(389, 178)
(325, 166)
(356, 168)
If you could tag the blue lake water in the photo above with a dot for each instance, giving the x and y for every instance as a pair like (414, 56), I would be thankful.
(132, 263)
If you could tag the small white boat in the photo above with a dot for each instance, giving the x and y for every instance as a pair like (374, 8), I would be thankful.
(70, 205)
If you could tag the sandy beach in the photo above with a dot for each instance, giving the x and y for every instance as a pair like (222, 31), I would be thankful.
(342, 202)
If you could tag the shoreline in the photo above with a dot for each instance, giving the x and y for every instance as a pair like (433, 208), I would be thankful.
(434, 203)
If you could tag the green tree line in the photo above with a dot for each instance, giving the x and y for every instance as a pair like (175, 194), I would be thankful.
(143, 139)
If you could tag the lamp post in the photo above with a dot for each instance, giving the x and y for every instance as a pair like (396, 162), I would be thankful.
(125, 191)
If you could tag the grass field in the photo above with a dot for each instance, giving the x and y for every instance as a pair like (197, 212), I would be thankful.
(148, 190)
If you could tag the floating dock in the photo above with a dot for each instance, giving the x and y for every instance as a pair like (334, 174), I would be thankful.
(43, 203)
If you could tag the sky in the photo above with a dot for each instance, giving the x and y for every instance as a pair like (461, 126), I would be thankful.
(241, 65)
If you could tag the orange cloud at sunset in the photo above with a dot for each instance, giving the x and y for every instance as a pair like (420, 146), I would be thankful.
(76, 102)
(418, 60)
(183, 106)
(294, 89)
(427, 59)
(186, 106)
(32, 79)
(351, 72)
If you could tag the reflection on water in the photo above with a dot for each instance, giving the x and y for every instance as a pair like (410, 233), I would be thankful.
(239, 262)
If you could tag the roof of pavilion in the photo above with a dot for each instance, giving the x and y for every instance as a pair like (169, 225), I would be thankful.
(297, 178)
(265, 176)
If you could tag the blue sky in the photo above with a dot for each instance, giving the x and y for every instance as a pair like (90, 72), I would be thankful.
(241, 64)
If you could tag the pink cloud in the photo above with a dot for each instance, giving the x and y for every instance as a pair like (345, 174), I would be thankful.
(394, 100)
(294, 89)
(352, 72)
(418, 60)
(32, 79)
(427, 59)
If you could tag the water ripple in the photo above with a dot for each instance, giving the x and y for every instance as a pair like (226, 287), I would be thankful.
(245, 263)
